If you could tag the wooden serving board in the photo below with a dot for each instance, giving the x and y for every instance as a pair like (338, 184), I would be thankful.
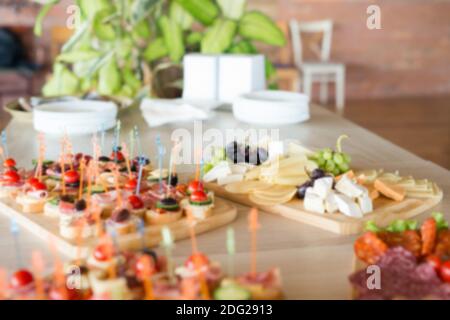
(385, 211)
(48, 229)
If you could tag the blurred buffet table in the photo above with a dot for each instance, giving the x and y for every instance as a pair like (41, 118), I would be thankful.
(315, 264)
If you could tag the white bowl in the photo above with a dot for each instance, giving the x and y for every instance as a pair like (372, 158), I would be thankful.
(74, 117)
(272, 107)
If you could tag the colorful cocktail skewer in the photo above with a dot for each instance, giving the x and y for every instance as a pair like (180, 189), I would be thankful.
(253, 227)
(15, 231)
(141, 163)
(161, 152)
(195, 254)
(231, 249)
(168, 245)
(146, 276)
(38, 266)
(5, 143)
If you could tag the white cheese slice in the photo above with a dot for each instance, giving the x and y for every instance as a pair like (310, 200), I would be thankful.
(350, 188)
(323, 186)
(347, 206)
(230, 179)
(365, 203)
(313, 202)
(222, 169)
(238, 169)
(330, 203)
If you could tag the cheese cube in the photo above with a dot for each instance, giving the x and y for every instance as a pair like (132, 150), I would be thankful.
(230, 179)
(365, 203)
(347, 206)
(350, 188)
(221, 170)
(313, 202)
(323, 186)
(330, 203)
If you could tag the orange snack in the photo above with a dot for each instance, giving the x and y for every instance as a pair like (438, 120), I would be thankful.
(390, 191)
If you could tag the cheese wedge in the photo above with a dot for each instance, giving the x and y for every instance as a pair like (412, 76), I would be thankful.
(390, 191)
(247, 186)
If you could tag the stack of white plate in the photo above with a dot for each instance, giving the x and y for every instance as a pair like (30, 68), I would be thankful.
(272, 107)
(79, 117)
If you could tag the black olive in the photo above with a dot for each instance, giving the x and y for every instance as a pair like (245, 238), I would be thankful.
(80, 205)
(173, 180)
(301, 190)
(317, 174)
(104, 159)
(169, 202)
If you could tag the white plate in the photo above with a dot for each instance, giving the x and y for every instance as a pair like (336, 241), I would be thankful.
(272, 107)
(74, 117)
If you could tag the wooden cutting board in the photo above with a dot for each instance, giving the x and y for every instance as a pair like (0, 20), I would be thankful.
(48, 229)
(385, 211)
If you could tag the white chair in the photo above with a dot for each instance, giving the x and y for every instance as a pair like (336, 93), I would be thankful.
(322, 71)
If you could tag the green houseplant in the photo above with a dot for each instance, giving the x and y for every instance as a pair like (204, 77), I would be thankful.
(133, 48)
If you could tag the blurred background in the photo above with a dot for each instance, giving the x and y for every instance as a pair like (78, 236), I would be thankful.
(397, 78)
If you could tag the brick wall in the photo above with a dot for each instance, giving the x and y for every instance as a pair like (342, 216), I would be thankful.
(409, 56)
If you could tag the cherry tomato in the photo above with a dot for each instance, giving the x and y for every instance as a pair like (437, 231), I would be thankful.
(435, 262)
(195, 185)
(197, 260)
(101, 253)
(131, 184)
(199, 196)
(140, 266)
(136, 202)
(32, 181)
(39, 186)
(21, 278)
(11, 176)
(444, 271)
(71, 176)
(64, 294)
(117, 155)
(9, 163)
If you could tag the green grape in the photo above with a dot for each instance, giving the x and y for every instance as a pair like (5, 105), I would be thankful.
(327, 155)
(338, 158)
(336, 171)
(329, 166)
(344, 167)
(321, 161)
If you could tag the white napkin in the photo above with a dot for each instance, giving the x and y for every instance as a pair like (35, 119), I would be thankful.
(158, 112)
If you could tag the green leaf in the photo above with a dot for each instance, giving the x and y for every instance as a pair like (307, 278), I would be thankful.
(42, 14)
(257, 26)
(194, 38)
(141, 30)
(109, 81)
(156, 50)
(77, 56)
(204, 11)
(141, 8)
(76, 37)
(441, 223)
(103, 28)
(219, 37)
(173, 38)
(89, 8)
(232, 9)
(243, 47)
(62, 82)
(180, 15)
(372, 226)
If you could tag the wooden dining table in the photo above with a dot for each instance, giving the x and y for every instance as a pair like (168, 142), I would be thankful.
(314, 264)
